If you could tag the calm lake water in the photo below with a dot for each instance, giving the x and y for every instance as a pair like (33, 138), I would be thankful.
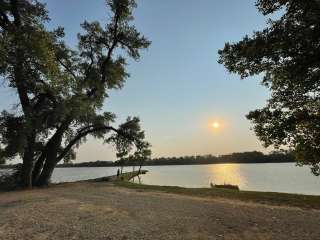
(274, 177)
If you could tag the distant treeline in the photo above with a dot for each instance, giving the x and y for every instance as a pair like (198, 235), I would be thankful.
(89, 164)
(244, 157)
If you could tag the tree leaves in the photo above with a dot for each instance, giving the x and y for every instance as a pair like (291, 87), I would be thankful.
(62, 90)
(287, 54)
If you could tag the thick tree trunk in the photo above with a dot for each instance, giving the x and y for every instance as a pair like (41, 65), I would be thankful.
(26, 173)
(28, 162)
(50, 161)
(51, 156)
(45, 176)
(38, 168)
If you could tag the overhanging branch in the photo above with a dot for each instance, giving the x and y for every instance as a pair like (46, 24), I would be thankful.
(81, 135)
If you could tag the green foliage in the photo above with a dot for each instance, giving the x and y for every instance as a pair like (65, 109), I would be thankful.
(12, 135)
(62, 90)
(287, 54)
(131, 136)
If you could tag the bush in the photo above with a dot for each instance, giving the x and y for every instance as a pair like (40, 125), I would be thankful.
(9, 178)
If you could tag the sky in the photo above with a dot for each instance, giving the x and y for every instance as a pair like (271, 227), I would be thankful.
(178, 89)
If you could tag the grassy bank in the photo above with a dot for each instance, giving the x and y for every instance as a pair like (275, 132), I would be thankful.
(271, 198)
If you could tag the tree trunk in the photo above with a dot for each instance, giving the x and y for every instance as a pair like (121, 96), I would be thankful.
(140, 166)
(50, 163)
(38, 168)
(28, 163)
(26, 173)
(45, 176)
(51, 155)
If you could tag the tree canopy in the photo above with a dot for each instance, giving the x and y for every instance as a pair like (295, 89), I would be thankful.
(287, 54)
(62, 90)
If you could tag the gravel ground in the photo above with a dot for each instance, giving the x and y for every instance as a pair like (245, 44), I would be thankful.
(103, 211)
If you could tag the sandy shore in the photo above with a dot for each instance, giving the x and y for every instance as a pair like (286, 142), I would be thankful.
(104, 211)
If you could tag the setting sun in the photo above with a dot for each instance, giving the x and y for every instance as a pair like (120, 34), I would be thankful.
(215, 125)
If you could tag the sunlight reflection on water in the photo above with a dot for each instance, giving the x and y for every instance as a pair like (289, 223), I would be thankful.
(273, 177)
(226, 173)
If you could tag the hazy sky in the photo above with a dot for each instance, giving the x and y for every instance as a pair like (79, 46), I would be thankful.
(177, 88)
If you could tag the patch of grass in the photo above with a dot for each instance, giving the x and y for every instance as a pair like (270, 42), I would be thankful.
(270, 198)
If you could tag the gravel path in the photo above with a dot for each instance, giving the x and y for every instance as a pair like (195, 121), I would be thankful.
(103, 211)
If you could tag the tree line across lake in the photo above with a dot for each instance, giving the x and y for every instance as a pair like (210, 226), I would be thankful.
(244, 157)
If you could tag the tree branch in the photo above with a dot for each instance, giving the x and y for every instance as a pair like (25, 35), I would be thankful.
(81, 135)
(109, 54)
(58, 134)
(68, 69)
(114, 44)
(15, 12)
(91, 60)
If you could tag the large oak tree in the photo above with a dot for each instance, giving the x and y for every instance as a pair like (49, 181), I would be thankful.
(287, 54)
(61, 91)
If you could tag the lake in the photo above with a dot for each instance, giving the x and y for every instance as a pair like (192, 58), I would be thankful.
(275, 177)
